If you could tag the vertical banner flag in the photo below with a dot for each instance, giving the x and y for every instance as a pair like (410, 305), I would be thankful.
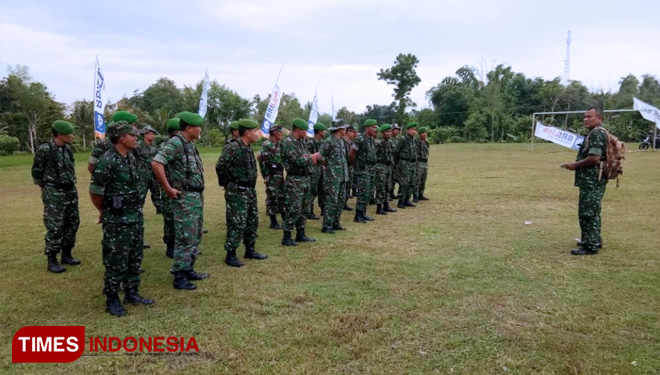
(558, 136)
(649, 112)
(313, 117)
(99, 104)
(205, 93)
(271, 110)
(332, 101)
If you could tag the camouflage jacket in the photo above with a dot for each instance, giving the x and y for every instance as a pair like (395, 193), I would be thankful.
(295, 156)
(366, 152)
(597, 145)
(334, 152)
(54, 166)
(184, 165)
(100, 148)
(406, 149)
(237, 161)
(385, 151)
(270, 161)
(144, 153)
(422, 150)
(314, 146)
(116, 179)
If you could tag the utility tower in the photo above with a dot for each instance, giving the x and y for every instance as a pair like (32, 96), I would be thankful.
(567, 62)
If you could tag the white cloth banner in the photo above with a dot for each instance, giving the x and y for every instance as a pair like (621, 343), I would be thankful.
(99, 104)
(203, 100)
(271, 110)
(558, 136)
(313, 117)
(649, 112)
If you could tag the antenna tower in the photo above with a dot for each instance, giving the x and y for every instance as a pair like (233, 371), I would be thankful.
(567, 62)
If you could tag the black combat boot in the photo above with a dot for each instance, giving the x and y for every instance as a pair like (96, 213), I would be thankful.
(192, 275)
(392, 196)
(231, 259)
(367, 217)
(113, 305)
(407, 203)
(132, 296)
(287, 240)
(423, 197)
(337, 226)
(311, 215)
(379, 210)
(346, 208)
(359, 218)
(273, 222)
(181, 281)
(372, 201)
(53, 265)
(387, 208)
(415, 198)
(401, 204)
(583, 251)
(328, 230)
(300, 236)
(600, 243)
(67, 258)
(250, 253)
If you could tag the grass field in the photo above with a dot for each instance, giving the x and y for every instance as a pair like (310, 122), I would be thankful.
(459, 285)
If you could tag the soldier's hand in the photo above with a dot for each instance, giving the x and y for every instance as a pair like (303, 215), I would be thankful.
(570, 166)
(99, 220)
(172, 193)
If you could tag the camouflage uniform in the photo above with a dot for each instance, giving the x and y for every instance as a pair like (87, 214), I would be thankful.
(335, 179)
(237, 161)
(272, 170)
(116, 179)
(364, 170)
(296, 161)
(167, 210)
(383, 175)
(186, 174)
(101, 147)
(422, 168)
(315, 179)
(54, 171)
(406, 157)
(592, 189)
(351, 169)
(144, 153)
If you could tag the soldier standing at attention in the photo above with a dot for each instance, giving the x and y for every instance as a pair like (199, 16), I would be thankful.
(145, 151)
(54, 172)
(104, 145)
(335, 178)
(348, 142)
(237, 173)
(296, 160)
(383, 175)
(185, 189)
(316, 172)
(272, 171)
(114, 191)
(363, 158)
(166, 203)
(422, 166)
(406, 159)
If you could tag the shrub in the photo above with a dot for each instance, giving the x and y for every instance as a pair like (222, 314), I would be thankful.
(8, 144)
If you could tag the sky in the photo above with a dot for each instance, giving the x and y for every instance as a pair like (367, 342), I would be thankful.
(337, 45)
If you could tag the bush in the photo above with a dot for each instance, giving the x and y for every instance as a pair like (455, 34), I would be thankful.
(8, 144)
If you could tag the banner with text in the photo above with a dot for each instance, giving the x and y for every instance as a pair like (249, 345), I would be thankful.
(558, 136)
(313, 117)
(271, 111)
(203, 100)
(99, 104)
(647, 111)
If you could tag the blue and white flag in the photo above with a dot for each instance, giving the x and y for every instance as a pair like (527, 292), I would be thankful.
(647, 111)
(99, 104)
(558, 136)
(332, 100)
(271, 111)
(205, 93)
(313, 117)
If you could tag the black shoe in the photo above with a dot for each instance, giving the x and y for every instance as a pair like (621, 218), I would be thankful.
(53, 265)
(132, 296)
(379, 210)
(113, 305)
(359, 218)
(231, 259)
(287, 240)
(367, 217)
(328, 230)
(415, 198)
(312, 216)
(401, 204)
(392, 196)
(273, 222)
(68, 259)
(337, 226)
(582, 251)
(250, 253)
(372, 201)
(146, 246)
(422, 197)
(387, 208)
(408, 204)
(181, 281)
(192, 275)
(301, 237)
(346, 208)
(600, 245)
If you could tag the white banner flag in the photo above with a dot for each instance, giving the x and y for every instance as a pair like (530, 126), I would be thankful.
(558, 136)
(649, 112)
(205, 93)
(99, 104)
(313, 117)
(271, 111)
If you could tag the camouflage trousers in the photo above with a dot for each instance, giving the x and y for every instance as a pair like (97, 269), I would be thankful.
(334, 193)
(188, 220)
(122, 255)
(589, 214)
(363, 188)
(382, 177)
(315, 190)
(295, 189)
(168, 220)
(147, 183)
(421, 172)
(61, 218)
(274, 193)
(349, 183)
(242, 216)
(395, 178)
(406, 179)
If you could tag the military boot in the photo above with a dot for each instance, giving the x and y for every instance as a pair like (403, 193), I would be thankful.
(359, 218)
(132, 296)
(273, 222)
(192, 275)
(392, 196)
(401, 204)
(250, 253)
(415, 198)
(423, 197)
(337, 226)
(367, 217)
(408, 204)
(328, 230)
(170, 249)
(599, 245)
(181, 281)
(113, 305)
(379, 210)
(231, 259)
(346, 208)
(67, 258)
(300, 236)
(53, 265)
(387, 208)
(287, 240)
(311, 215)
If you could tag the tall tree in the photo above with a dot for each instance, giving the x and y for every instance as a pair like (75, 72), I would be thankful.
(403, 75)
(83, 118)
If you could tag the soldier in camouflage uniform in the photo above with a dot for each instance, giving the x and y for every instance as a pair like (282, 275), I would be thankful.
(335, 178)
(185, 187)
(166, 203)
(383, 175)
(296, 160)
(395, 170)
(405, 157)
(592, 185)
(422, 168)
(54, 172)
(104, 145)
(363, 158)
(237, 173)
(145, 152)
(114, 191)
(348, 143)
(315, 173)
(272, 171)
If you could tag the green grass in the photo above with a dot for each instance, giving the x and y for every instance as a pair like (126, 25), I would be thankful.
(458, 285)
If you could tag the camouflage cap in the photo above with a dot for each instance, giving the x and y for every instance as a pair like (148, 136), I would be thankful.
(173, 124)
(396, 126)
(124, 116)
(63, 127)
(119, 128)
(300, 124)
(146, 129)
(337, 122)
(275, 128)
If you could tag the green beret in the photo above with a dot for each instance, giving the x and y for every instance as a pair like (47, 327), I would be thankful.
(300, 124)
(247, 123)
(173, 124)
(124, 116)
(63, 127)
(370, 122)
(192, 119)
(119, 128)
(385, 128)
(411, 125)
(422, 130)
(234, 125)
(319, 126)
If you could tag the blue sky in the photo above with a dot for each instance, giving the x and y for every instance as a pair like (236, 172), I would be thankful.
(344, 43)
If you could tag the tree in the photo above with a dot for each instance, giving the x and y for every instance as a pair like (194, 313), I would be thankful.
(83, 118)
(162, 94)
(403, 75)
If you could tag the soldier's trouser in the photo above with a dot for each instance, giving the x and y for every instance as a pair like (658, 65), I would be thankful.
(61, 218)
(589, 214)
(335, 196)
(349, 183)
(187, 229)
(381, 181)
(274, 193)
(295, 189)
(168, 221)
(242, 216)
(395, 178)
(420, 177)
(313, 192)
(406, 178)
(156, 195)
(122, 256)
(363, 181)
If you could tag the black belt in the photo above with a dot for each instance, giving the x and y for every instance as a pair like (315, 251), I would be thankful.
(243, 186)
(194, 189)
(423, 159)
(62, 185)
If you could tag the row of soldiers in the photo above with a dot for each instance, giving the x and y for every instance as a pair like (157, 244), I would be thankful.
(124, 170)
